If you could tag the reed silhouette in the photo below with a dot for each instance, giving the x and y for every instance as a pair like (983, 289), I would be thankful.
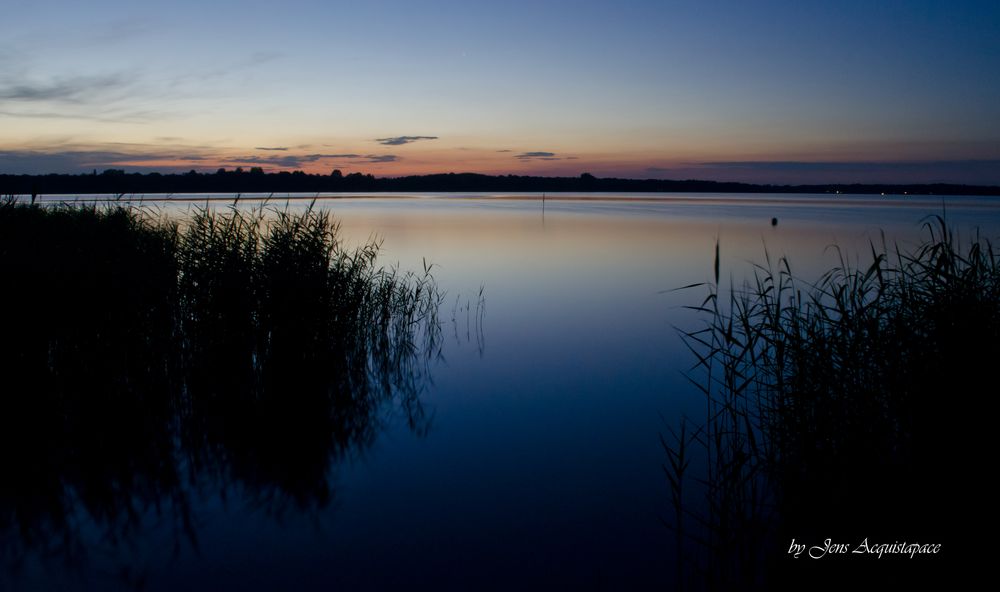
(843, 410)
(142, 357)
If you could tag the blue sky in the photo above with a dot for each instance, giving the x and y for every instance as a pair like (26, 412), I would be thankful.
(758, 91)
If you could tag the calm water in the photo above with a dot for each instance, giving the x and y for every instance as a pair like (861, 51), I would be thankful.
(541, 462)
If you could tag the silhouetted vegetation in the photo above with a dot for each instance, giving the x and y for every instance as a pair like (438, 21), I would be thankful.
(117, 181)
(143, 356)
(845, 409)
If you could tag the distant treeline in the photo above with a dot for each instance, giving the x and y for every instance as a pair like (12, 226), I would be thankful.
(255, 180)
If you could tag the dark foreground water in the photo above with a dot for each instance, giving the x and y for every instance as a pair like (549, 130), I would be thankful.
(536, 460)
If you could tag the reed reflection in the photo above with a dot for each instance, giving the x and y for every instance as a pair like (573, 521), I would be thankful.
(142, 361)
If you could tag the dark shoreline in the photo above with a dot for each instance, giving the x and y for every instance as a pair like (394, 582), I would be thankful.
(118, 182)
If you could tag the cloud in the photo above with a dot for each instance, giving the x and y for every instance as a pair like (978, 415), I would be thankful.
(121, 117)
(540, 155)
(400, 140)
(238, 67)
(504, 150)
(122, 29)
(134, 157)
(127, 95)
(373, 158)
(149, 157)
(968, 171)
(294, 161)
(289, 161)
(862, 167)
(78, 89)
(315, 157)
(275, 148)
(29, 162)
(119, 97)
(792, 165)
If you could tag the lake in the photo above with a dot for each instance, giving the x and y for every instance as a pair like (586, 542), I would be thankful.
(537, 462)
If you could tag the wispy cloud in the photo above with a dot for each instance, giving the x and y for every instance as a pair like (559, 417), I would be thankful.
(272, 148)
(237, 67)
(314, 157)
(811, 172)
(926, 169)
(70, 158)
(839, 166)
(109, 117)
(75, 161)
(379, 158)
(120, 30)
(77, 89)
(541, 155)
(400, 140)
(28, 90)
(113, 97)
(293, 161)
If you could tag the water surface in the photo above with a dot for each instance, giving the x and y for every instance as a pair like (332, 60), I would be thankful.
(541, 462)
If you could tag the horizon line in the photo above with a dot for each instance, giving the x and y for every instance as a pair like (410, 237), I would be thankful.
(582, 177)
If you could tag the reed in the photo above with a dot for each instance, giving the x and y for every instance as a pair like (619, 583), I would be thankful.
(831, 412)
(143, 357)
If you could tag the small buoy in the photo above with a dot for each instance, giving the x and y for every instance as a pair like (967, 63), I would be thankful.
(774, 221)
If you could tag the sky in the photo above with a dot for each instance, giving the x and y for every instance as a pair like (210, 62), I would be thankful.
(764, 91)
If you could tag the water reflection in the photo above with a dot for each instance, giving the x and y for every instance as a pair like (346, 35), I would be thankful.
(544, 463)
(141, 365)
